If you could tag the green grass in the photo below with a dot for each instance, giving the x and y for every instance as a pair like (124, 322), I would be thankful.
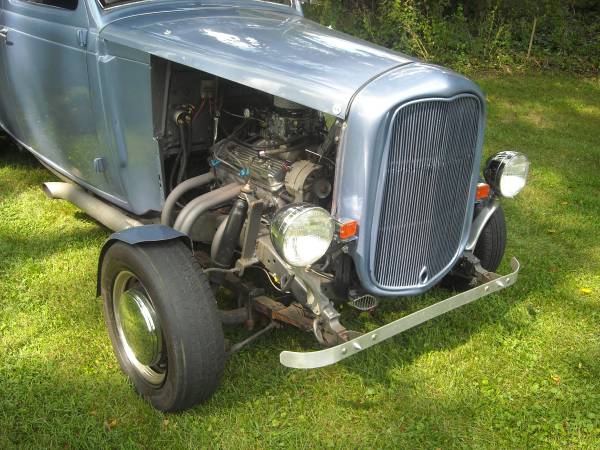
(519, 369)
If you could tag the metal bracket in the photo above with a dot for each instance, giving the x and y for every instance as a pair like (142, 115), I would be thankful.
(327, 327)
(82, 37)
(99, 165)
(311, 360)
(306, 286)
(248, 256)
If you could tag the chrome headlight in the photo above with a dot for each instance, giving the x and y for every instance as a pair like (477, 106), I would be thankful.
(506, 173)
(302, 233)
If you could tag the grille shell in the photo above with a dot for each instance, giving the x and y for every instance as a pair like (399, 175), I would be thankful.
(423, 213)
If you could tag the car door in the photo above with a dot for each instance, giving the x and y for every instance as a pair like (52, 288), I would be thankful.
(46, 68)
(7, 118)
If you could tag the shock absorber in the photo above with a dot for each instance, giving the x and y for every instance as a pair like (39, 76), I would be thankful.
(231, 235)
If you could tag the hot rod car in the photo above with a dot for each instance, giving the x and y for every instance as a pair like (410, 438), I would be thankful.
(236, 145)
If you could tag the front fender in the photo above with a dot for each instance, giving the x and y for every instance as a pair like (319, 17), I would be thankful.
(139, 235)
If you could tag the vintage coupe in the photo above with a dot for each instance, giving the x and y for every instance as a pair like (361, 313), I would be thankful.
(236, 145)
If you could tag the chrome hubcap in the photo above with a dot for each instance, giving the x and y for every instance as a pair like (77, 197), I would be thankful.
(138, 328)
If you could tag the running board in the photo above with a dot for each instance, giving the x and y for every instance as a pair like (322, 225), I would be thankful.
(332, 355)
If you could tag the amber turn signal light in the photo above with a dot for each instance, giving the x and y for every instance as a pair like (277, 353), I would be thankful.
(483, 191)
(348, 229)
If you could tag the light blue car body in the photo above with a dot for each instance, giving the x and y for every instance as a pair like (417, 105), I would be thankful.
(75, 89)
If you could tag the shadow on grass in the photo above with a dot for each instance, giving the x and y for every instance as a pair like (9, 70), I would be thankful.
(12, 156)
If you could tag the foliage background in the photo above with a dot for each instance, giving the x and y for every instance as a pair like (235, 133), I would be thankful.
(475, 35)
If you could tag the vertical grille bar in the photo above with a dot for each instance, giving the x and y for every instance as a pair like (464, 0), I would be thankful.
(424, 203)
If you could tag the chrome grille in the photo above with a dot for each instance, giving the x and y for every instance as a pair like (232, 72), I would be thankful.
(424, 202)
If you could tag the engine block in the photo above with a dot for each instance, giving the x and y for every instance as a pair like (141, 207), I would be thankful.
(240, 163)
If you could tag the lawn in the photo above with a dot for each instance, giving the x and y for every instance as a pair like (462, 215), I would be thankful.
(520, 369)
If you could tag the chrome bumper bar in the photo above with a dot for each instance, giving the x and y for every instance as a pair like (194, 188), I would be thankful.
(332, 355)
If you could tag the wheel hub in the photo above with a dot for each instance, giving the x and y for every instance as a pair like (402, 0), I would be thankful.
(138, 327)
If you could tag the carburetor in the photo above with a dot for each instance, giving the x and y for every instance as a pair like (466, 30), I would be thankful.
(272, 177)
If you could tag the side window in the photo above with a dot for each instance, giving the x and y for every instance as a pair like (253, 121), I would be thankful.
(63, 4)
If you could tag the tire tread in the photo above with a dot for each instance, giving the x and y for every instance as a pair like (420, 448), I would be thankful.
(189, 317)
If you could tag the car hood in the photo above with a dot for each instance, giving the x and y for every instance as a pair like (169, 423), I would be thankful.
(276, 52)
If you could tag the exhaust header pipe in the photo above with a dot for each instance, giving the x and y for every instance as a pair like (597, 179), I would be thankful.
(109, 216)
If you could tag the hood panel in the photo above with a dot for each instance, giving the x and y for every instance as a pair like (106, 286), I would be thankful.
(278, 53)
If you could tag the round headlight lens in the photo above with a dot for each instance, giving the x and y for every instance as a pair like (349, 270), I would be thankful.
(507, 173)
(302, 233)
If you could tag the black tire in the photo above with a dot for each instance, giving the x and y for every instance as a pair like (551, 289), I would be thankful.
(193, 352)
(489, 249)
(492, 242)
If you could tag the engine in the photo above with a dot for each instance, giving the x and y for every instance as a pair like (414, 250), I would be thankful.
(280, 150)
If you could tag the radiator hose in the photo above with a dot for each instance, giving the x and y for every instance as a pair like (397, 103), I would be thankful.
(226, 245)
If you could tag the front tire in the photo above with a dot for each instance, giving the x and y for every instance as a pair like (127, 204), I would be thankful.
(492, 241)
(489, 249)
(163, 323)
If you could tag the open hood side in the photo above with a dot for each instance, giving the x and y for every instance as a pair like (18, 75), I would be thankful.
(279, 53)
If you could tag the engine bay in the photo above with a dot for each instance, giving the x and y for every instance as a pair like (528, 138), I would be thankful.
(278, 149)
(281, 152)
(284, 150)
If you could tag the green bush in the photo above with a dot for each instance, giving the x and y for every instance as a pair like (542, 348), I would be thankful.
(468, 35)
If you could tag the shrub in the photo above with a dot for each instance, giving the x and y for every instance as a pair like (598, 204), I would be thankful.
(487, 34)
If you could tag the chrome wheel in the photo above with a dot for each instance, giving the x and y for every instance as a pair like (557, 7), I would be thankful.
(138, 328)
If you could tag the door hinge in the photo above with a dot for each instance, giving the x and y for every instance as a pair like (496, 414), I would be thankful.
(82, 37)
(99, 165)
